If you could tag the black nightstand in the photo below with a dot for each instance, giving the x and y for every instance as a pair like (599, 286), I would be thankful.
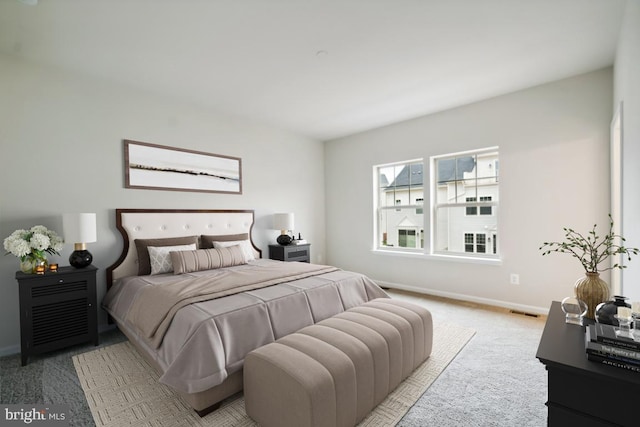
(300, 253)
(57, 310)
(581, 392)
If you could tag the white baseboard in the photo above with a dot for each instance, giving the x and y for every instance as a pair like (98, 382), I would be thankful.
(470, 298)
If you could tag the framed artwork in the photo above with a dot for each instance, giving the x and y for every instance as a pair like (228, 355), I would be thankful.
(158, 167)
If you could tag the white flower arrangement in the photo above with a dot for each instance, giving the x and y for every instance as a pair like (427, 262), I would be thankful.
(33, 243)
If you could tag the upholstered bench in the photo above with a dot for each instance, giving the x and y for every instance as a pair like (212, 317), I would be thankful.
(335, 372)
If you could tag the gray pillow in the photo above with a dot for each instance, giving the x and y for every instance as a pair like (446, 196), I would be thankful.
(144, 263)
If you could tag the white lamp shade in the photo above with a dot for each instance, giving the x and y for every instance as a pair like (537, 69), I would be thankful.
(283, 221)
(79, 227)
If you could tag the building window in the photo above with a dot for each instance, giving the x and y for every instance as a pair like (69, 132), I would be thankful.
(473, 210)
(399, 205)
(481, 243)
(477, 243)
(469, 242)
(464, 203)
(407, 238)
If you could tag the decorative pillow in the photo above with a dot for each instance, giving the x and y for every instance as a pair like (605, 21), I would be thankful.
(206, 259)
(161, 259)
(144, 265)
(207, 241)
(245, 245)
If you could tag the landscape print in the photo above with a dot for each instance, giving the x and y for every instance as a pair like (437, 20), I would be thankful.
(152, 166)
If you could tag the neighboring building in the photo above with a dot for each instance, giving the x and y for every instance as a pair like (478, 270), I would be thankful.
(472, 228)
(404, 225)
(472, 181)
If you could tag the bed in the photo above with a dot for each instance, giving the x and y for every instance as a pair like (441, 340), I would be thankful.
(196, 324)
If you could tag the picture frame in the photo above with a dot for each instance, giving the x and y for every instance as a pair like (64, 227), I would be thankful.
(158, 167)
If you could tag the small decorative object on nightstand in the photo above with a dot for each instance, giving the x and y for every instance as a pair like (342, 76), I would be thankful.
(606, 311)
(300, 253)
(299, 240)
(574, 310)
(32, 247)
(57, 310)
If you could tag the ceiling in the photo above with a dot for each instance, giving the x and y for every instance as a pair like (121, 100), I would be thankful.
(320, 68)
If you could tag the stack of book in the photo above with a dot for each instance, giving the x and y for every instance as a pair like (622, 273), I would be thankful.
(603, 345)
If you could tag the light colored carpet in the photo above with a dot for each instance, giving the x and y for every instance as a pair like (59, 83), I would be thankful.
(122, 389)
(495, 381)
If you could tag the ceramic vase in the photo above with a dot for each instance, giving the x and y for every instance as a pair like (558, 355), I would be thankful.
(592, 290)
(606, 311)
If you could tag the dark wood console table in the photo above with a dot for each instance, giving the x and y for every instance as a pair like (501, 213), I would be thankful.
(581, 392)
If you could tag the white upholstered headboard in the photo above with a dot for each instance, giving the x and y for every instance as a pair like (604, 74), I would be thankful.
(161, 223)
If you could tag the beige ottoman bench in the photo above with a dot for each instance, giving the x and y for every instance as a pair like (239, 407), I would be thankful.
(335, 372)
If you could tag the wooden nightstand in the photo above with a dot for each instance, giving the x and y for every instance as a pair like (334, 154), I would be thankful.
(57, 310)
(300, 253)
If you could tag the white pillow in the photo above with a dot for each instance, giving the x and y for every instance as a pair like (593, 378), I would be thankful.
(246, 247)
(161, 259)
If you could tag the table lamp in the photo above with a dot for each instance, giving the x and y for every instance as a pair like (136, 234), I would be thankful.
(284, 223)
(80, 228)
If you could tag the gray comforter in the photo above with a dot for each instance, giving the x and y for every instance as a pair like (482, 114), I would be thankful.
(207, 341)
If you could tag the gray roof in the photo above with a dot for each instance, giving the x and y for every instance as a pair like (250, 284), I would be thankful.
(447, 170)
(410, 174)
(413, 173)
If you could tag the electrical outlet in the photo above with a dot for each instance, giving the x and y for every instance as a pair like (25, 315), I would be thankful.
(514, 279)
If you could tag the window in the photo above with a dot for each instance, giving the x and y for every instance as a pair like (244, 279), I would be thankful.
(399, 205)
(464, 195)
(473, 210)
(407, 238)
(478, 243)
(486, 210)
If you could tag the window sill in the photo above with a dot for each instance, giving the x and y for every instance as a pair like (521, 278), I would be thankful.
(439, 257)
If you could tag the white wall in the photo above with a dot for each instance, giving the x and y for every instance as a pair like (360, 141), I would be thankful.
(61, 151)
(627, 91)
(554, 172)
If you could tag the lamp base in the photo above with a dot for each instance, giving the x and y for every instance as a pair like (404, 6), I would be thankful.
(80, 259)
(284, 240)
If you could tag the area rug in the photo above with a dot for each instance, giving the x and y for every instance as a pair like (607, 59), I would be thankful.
(123, 390)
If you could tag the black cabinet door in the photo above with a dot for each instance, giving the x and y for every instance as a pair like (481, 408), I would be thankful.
(57, 310)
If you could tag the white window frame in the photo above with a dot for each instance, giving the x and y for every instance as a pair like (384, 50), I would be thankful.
(377, 244)
(435, 207)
